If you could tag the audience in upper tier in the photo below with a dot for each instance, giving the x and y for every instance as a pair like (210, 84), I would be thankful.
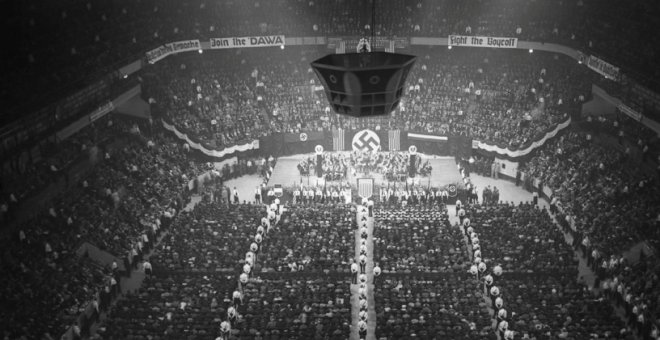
(59, 39)
(508, 98)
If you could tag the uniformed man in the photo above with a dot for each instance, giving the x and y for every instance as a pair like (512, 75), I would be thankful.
(363, 263)
(296, 196)
(237, 298)
(257, 195)
(354, 271)
(362, 329)
(377, 272)
(271, 195)
(235, 194)
(319, 195)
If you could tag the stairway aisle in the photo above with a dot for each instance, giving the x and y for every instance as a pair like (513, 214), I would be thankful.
(355, 307)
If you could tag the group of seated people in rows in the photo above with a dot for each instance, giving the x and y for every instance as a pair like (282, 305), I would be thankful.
(298, 285)
(124, 200)
(99, 34)
(610, 200)
(424, 290)
(507, 98)
(537, 291)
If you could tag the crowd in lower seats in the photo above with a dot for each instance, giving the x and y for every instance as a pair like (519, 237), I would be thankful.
(541, 294)
(424, 290)
(298, 285)
(120, 206)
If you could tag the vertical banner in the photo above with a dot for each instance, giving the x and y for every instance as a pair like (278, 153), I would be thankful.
(394, 140)
(338, 138)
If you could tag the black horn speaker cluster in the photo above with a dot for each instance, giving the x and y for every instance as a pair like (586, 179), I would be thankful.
(364, 84)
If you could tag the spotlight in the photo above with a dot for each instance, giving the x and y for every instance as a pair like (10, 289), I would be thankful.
(449, 47)
(200, 51)
(531, 50)
(282, 47)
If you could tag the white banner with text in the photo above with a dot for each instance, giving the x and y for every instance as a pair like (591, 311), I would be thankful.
(604, 68)
(163, 51)
(239, 42)
(477, 41)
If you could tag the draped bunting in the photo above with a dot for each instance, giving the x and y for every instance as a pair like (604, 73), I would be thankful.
(209, 152)
(512, 154)
(496, 150)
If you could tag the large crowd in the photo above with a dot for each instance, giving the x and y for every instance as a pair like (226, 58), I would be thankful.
(120, 206)
(65, 36)
(610, 200)
(508, 98)
(531, 276)
(298, 285)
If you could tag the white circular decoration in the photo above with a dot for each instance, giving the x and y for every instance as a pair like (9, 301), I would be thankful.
(319, 149)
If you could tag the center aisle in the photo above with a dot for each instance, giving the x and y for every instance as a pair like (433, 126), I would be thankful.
(355, 288)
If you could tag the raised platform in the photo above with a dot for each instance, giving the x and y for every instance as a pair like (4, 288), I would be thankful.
(444, 171)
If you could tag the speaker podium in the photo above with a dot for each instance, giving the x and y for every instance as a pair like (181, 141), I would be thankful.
(364, 84)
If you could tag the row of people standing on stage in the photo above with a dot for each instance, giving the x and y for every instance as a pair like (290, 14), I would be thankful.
(336, 194)
(334, 166)
(366, 162)
(413, 196)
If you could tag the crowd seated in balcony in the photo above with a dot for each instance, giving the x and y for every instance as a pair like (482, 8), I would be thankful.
(59, 39)
(508, 98)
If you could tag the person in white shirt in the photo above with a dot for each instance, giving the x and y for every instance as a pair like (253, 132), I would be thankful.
(235, 194)
(257, 195)
(147, 268)
(354, 271)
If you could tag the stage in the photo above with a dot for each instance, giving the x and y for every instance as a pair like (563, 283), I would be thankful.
(444, 172)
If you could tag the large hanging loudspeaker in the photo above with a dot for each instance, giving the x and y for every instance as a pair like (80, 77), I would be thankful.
(364, 84)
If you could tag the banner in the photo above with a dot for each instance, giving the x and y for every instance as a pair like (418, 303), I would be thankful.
(477, 41)
(101, 111)
(629, 112)
(303, 136)
(209, 152)
(602, 67)
(239, 42)
(338, 139)
(394, 140)
(163, 51)
(426, 137)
